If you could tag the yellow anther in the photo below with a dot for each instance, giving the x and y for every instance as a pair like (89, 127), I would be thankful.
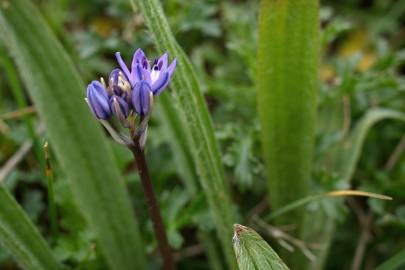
(103, 82)
(123, 83)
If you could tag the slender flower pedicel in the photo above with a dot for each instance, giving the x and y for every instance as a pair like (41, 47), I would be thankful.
(130, 93)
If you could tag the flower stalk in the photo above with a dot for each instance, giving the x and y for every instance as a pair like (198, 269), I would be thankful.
(153, 205)
(128, 99)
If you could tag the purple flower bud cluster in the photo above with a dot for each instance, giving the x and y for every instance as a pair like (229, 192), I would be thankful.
(130, 91)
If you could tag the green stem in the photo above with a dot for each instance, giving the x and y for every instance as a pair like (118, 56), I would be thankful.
(51, 195)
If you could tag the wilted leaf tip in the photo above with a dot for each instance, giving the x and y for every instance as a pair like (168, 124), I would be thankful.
(238, 229)
(338, 193)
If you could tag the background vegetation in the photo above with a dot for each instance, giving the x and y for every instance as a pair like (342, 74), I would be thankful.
(358, 142)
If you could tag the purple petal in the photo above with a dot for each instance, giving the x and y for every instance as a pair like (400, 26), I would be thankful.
(146, 75)
(140, 68)
(113, 81)
(140, 98)
(123, 66)
(159, 85)
(98, 88)
(98, 100)
(113, 78)
(140, 58)
(137, 73)
(172, 67)
(139, 55)
(161, 63)
(164, 78)
(140, 74)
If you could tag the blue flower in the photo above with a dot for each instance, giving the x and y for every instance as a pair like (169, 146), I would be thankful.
(130, 91)
(146, 81)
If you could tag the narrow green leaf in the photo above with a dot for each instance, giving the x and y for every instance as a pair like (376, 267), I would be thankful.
(352, 148)
(287, 82)
(190, 105)
(337, 193)
(21, 238)
(322, 231)
(253, 253)
(77, 138)
(394, 262)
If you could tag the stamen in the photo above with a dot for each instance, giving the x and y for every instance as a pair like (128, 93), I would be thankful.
(103, 82)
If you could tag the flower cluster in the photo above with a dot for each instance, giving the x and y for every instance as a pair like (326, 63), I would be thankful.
(130, 91)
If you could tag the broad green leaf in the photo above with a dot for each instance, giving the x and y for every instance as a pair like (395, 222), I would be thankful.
(82, 150)
(253, 253)
(287, 83)
(21, 238)
(197, 124)
(394, 262)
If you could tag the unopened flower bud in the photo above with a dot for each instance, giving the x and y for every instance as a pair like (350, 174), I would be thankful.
(97, 99)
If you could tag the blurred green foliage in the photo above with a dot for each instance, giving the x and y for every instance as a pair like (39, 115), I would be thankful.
(362, 67)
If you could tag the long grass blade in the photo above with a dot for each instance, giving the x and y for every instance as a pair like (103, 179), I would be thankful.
(78, 141)
(21, 238)
(190, 104)
(337, 193)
